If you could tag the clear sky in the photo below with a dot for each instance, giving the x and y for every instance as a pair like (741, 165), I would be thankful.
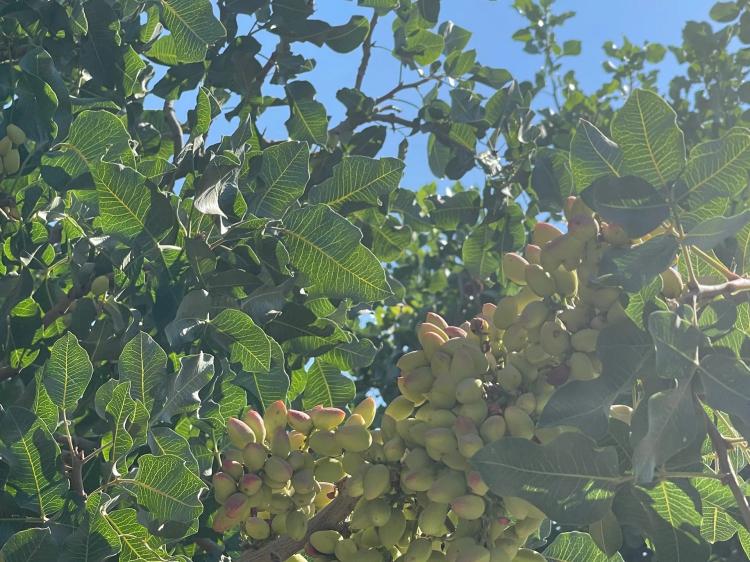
(492, 24)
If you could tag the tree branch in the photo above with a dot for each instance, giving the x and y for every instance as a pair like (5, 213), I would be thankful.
(366, 52)
(400, 87)
(721, 448)
(707, 292)
(175, 129)
(330, 517)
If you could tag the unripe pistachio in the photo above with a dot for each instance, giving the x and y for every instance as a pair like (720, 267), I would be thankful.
(469, 444)
(506, 313)
(419, 550)
(544, 232)
(379, 511)
(255, 421)
(275, 416)
(469, 390)
(476, 483)
(540, 281)
(671, 283)
(303, 481)
(301, 421)
(581, 368)
(583, 227)
(222, 523)
(232, 468)
(418, 381)
(236, 506)
(278, 469)
(614, 234)
(325, 541)
(100, 285)
(528, 555)
(12, 162)
(514, 267)
(449, 485)
(518, 422)
(566, 282)
(324, 443)
(296, 525)
(327, 417)
(254, 456)
(412, 360)
(527, 402)
(257, 528)
(5, 145)
(280, 445)
(492, 429)
(355, 438)
(585, 340)
(376, 481)
(250, 484)
(224, 486)
(15, 134)
(468, 506)
(533, 253)
(432, 519)
(440, 439)
(400, 408)
(554, 338)
(367, 409)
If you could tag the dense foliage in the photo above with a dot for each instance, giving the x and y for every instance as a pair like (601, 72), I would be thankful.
(155, 285)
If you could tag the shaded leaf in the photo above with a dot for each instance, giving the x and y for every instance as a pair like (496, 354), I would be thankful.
(165, 441)
(710, 233)
(30, 545)
(568, 479)
(726, 384)
(195, 372)
(270, 386)
(193, 27)
(94, 540)
(34, 460)
(633, 268)
(629, 202)
(308, 120)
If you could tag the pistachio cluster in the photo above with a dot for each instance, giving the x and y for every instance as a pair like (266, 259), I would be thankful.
(10, 157)
(418, 497)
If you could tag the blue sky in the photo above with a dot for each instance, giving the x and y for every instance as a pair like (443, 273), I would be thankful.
(492, 24)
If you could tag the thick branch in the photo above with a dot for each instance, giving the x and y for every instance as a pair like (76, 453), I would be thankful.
(366, 52)
(707, 292)
(330, 517)
(721, 447)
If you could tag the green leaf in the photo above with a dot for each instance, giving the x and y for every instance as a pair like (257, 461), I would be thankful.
(551, 178)
(165, 486)
(138, 545)
(327, 386)
(193, 27)
(709, 234)
(635, 267)
(308, 120)
(283, 176)
(94, 540)
(624, 351)
(479, 253)
(93, 136)
(577, 547)
(358, 179)
(202, 112)
(349, 356)
(124, 200)
(326, 248)
(627, 201)
(568, 479)
(247, 343)
(67, 372)
(144, 363)
(195, 372)
(129, 420)
(345, 38)
(34, 460)
(271, 386)
(726, 384)
(725, 11)
(674, 421)
(676, 342)
(30, 545)
(668, 516)
(716, 168)
(592, 155)
(461, 208)
(652, 144)
(425, 46)
(717, 525)
(165, 441)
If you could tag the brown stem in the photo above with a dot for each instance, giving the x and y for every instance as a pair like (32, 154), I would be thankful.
(721, 447)
(330, 517)
(400, 87)
(707, 292)
(75, 470)
(366, 52)
(175, 129)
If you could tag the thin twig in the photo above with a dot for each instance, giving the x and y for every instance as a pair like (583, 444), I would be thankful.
(401, 86)
(366, 52)
(75, 473)
(725, 466)
(175, 129)
(330, 517)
